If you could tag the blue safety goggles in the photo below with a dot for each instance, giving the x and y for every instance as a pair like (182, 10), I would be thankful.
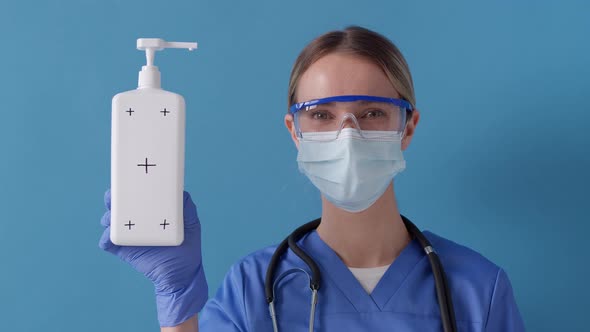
(325, 117)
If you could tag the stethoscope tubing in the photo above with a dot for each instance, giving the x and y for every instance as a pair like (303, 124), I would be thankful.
(443, 293)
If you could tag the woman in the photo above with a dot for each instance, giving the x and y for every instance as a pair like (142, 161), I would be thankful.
(351, 114)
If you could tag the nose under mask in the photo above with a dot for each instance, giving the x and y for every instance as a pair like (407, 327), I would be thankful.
(353, 170)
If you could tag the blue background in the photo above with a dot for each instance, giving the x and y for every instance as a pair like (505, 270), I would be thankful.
(499, 162)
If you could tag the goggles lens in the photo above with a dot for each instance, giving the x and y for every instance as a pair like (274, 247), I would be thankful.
(369, 114)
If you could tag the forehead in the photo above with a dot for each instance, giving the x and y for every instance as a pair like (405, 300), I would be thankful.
(343, 74)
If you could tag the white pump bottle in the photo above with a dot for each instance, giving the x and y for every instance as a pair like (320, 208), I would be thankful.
(147, 158)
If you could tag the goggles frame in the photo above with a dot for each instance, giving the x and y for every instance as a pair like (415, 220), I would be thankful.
(347, 98)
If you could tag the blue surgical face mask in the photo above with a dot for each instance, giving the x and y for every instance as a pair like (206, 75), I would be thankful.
(353, 170)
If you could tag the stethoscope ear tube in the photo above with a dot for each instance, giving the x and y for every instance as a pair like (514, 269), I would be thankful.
(270, 271)
(292, 241)
(448, 297)
(443, 293)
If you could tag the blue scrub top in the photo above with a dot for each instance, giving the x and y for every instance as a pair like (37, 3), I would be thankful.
(403, 300)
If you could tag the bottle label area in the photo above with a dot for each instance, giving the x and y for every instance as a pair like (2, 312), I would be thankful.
(147, 169)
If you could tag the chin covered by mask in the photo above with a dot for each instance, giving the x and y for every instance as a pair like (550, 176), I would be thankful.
(353, 170)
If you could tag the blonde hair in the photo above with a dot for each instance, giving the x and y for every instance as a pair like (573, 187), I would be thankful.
(362, 42)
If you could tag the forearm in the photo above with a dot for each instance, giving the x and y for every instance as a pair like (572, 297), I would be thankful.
(191, 325)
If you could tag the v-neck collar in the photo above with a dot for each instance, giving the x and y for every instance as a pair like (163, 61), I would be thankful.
(337, 273)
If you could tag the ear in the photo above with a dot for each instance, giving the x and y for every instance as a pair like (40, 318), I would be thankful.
(290, 124)
(410, 129)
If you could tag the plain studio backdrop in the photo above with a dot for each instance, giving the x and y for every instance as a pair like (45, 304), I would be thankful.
(499, 161)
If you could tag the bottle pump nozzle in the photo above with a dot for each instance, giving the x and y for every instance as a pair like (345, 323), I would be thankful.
(149, 76)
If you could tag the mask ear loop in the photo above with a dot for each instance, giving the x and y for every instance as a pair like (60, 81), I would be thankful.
(354, 121)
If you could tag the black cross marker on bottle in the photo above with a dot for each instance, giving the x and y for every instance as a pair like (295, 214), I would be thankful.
(146, 165)
(164, 224)
(130, 111)
(165, 111)
(129, 224)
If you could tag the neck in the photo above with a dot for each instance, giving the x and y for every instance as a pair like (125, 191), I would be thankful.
(370, 238)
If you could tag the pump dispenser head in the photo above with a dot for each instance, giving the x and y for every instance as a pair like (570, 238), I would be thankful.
(149, 76)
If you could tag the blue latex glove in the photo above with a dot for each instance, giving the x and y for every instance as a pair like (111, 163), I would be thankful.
(177, 272)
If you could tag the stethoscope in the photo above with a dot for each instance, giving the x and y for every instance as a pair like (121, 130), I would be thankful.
(443, 294)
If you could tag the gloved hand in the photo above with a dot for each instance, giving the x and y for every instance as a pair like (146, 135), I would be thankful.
(176, 272)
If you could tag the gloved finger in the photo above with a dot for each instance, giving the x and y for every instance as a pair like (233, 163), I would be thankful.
(106, 219)
(107, 199)
(189, 210)
(105, 241)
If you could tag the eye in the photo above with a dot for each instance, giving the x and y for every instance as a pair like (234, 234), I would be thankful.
(320, 115)
(375, 113)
